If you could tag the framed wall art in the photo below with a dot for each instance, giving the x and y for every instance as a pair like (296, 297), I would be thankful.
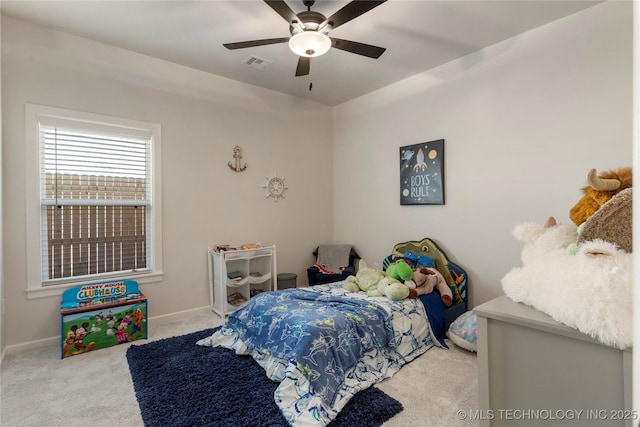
(422, 173)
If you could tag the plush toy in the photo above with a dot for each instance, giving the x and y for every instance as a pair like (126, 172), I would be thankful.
(399, 270)
(604, 212)
(612, 222)
(366, 279)
(600, 190)
(375, 283)
(392, 289)
(590, 291)
(402, 272)
(550, 237)
(428, 279)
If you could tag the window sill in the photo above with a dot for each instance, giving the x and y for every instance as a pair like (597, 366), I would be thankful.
(57, 290)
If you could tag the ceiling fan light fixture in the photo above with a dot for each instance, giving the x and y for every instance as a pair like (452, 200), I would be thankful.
(310, 43)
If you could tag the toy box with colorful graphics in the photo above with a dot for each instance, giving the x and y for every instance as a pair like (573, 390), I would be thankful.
(100, 315)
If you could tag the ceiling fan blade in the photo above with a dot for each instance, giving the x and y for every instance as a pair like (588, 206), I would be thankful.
(304, 65)
(350, 11)
(283, 10)
(357, 48)
(253, 43)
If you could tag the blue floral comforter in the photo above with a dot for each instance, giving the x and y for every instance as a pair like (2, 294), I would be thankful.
(325, 344)
(323, 334)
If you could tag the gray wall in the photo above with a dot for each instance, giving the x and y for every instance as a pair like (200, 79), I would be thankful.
(523, 122)
(204, 202)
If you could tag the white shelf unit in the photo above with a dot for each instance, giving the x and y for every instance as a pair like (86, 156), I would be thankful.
(257, 271)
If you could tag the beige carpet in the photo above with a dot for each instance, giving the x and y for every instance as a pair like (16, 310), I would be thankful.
(39, 389)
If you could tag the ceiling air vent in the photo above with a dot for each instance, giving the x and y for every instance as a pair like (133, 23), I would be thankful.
(256, 62)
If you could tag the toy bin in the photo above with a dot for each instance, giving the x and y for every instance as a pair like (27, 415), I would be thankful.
(100, 315)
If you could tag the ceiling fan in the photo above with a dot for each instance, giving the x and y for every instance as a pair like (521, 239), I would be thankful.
(309, 31)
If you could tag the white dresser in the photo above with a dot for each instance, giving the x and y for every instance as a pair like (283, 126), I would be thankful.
(534, 371)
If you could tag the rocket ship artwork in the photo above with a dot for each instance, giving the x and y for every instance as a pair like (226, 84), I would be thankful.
(422, 180)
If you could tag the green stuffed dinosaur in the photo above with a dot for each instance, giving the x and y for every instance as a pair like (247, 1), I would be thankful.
(376, 284)
(401, 271)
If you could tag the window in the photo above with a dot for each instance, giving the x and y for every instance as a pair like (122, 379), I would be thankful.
(94, 199)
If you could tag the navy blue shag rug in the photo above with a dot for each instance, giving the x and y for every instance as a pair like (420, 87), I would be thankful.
(179, 383)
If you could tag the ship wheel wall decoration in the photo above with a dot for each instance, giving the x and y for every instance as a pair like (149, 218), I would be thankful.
(275, 187)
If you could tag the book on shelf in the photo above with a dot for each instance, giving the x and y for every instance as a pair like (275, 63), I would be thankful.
(246, 246)
(235, 299)
(234, 275)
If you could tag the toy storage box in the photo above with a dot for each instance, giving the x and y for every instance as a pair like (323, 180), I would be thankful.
(100, 315)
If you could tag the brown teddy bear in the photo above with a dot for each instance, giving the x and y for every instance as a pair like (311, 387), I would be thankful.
(428, 279)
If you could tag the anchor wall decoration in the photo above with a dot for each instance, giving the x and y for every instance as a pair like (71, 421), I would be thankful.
(237, 155)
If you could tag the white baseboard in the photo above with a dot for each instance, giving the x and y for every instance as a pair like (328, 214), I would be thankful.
(30, 345)
(179, 314)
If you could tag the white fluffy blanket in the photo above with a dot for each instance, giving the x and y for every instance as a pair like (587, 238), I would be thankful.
(590, 291)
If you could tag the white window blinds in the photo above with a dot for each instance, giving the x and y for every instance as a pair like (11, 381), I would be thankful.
(95, 192)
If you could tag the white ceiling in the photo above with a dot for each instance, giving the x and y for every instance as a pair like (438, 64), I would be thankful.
(418, 35)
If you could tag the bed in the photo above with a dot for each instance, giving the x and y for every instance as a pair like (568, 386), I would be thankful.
(323, 344)
(453, 273)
